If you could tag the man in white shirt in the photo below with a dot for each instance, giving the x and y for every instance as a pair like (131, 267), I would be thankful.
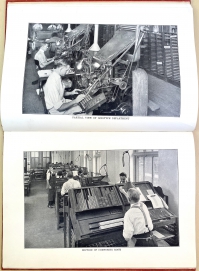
(71, 183)
(41, 57)
(54, 93)
(137, 222)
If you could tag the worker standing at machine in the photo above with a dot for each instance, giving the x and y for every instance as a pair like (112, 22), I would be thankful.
(123, 178)
(70, 183)
(137, 222)
(126, 184)
(50, 187)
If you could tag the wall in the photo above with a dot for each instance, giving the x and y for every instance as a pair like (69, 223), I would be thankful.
(60, 157)
(115, 165)
(168, 177)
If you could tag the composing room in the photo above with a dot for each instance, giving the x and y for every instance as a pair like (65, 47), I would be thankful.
(83, 198)
(130, 70)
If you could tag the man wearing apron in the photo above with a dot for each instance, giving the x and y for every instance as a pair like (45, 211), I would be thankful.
(137, 222)
(51, 188)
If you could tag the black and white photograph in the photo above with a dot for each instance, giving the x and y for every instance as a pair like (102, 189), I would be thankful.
(101, 198)
(102, 70)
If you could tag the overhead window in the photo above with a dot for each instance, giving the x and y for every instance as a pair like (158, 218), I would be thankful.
(146, 166)
(40, 159)
(46, 159)
(96, 162)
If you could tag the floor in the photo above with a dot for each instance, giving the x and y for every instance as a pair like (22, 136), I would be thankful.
(164, 94)
(40, 221)
(32, 104)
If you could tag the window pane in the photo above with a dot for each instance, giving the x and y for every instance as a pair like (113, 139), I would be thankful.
(155, 171)
(46, 154)
(35, 154)
(140, 169)
(148, 169)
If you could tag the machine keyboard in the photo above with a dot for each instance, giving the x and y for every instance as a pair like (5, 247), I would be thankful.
(159, 213)
(84, 102)
(90, 103)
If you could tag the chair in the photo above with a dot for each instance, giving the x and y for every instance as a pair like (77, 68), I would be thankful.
(42, 96)
(37, 68)
(41, 84)
(37, 64)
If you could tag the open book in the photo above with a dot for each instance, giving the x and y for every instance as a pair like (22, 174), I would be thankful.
(98, 89)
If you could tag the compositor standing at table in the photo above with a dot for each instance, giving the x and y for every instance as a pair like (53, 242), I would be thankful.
(137, 222)
(51, 188)
(127, 184)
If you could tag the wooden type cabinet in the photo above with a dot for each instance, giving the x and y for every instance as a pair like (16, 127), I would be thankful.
(58, 182)
(159, 56)
(27, 185)
(69, 236)
(81, 219)
(88, 218)
(39, 174)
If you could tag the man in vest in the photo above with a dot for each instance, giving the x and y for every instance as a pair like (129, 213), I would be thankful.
(137, 222)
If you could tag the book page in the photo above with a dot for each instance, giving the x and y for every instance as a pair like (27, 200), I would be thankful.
(114, 99)
(157, 234)
(174, 164)
(156, 201)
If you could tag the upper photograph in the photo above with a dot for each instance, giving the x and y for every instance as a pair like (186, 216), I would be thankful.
(102, 70)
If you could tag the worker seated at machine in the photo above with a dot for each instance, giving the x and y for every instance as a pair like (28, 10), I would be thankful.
(54, 91)
(41, 60)
(70, 183)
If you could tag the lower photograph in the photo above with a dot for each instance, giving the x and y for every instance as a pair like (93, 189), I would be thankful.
(101, 198)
